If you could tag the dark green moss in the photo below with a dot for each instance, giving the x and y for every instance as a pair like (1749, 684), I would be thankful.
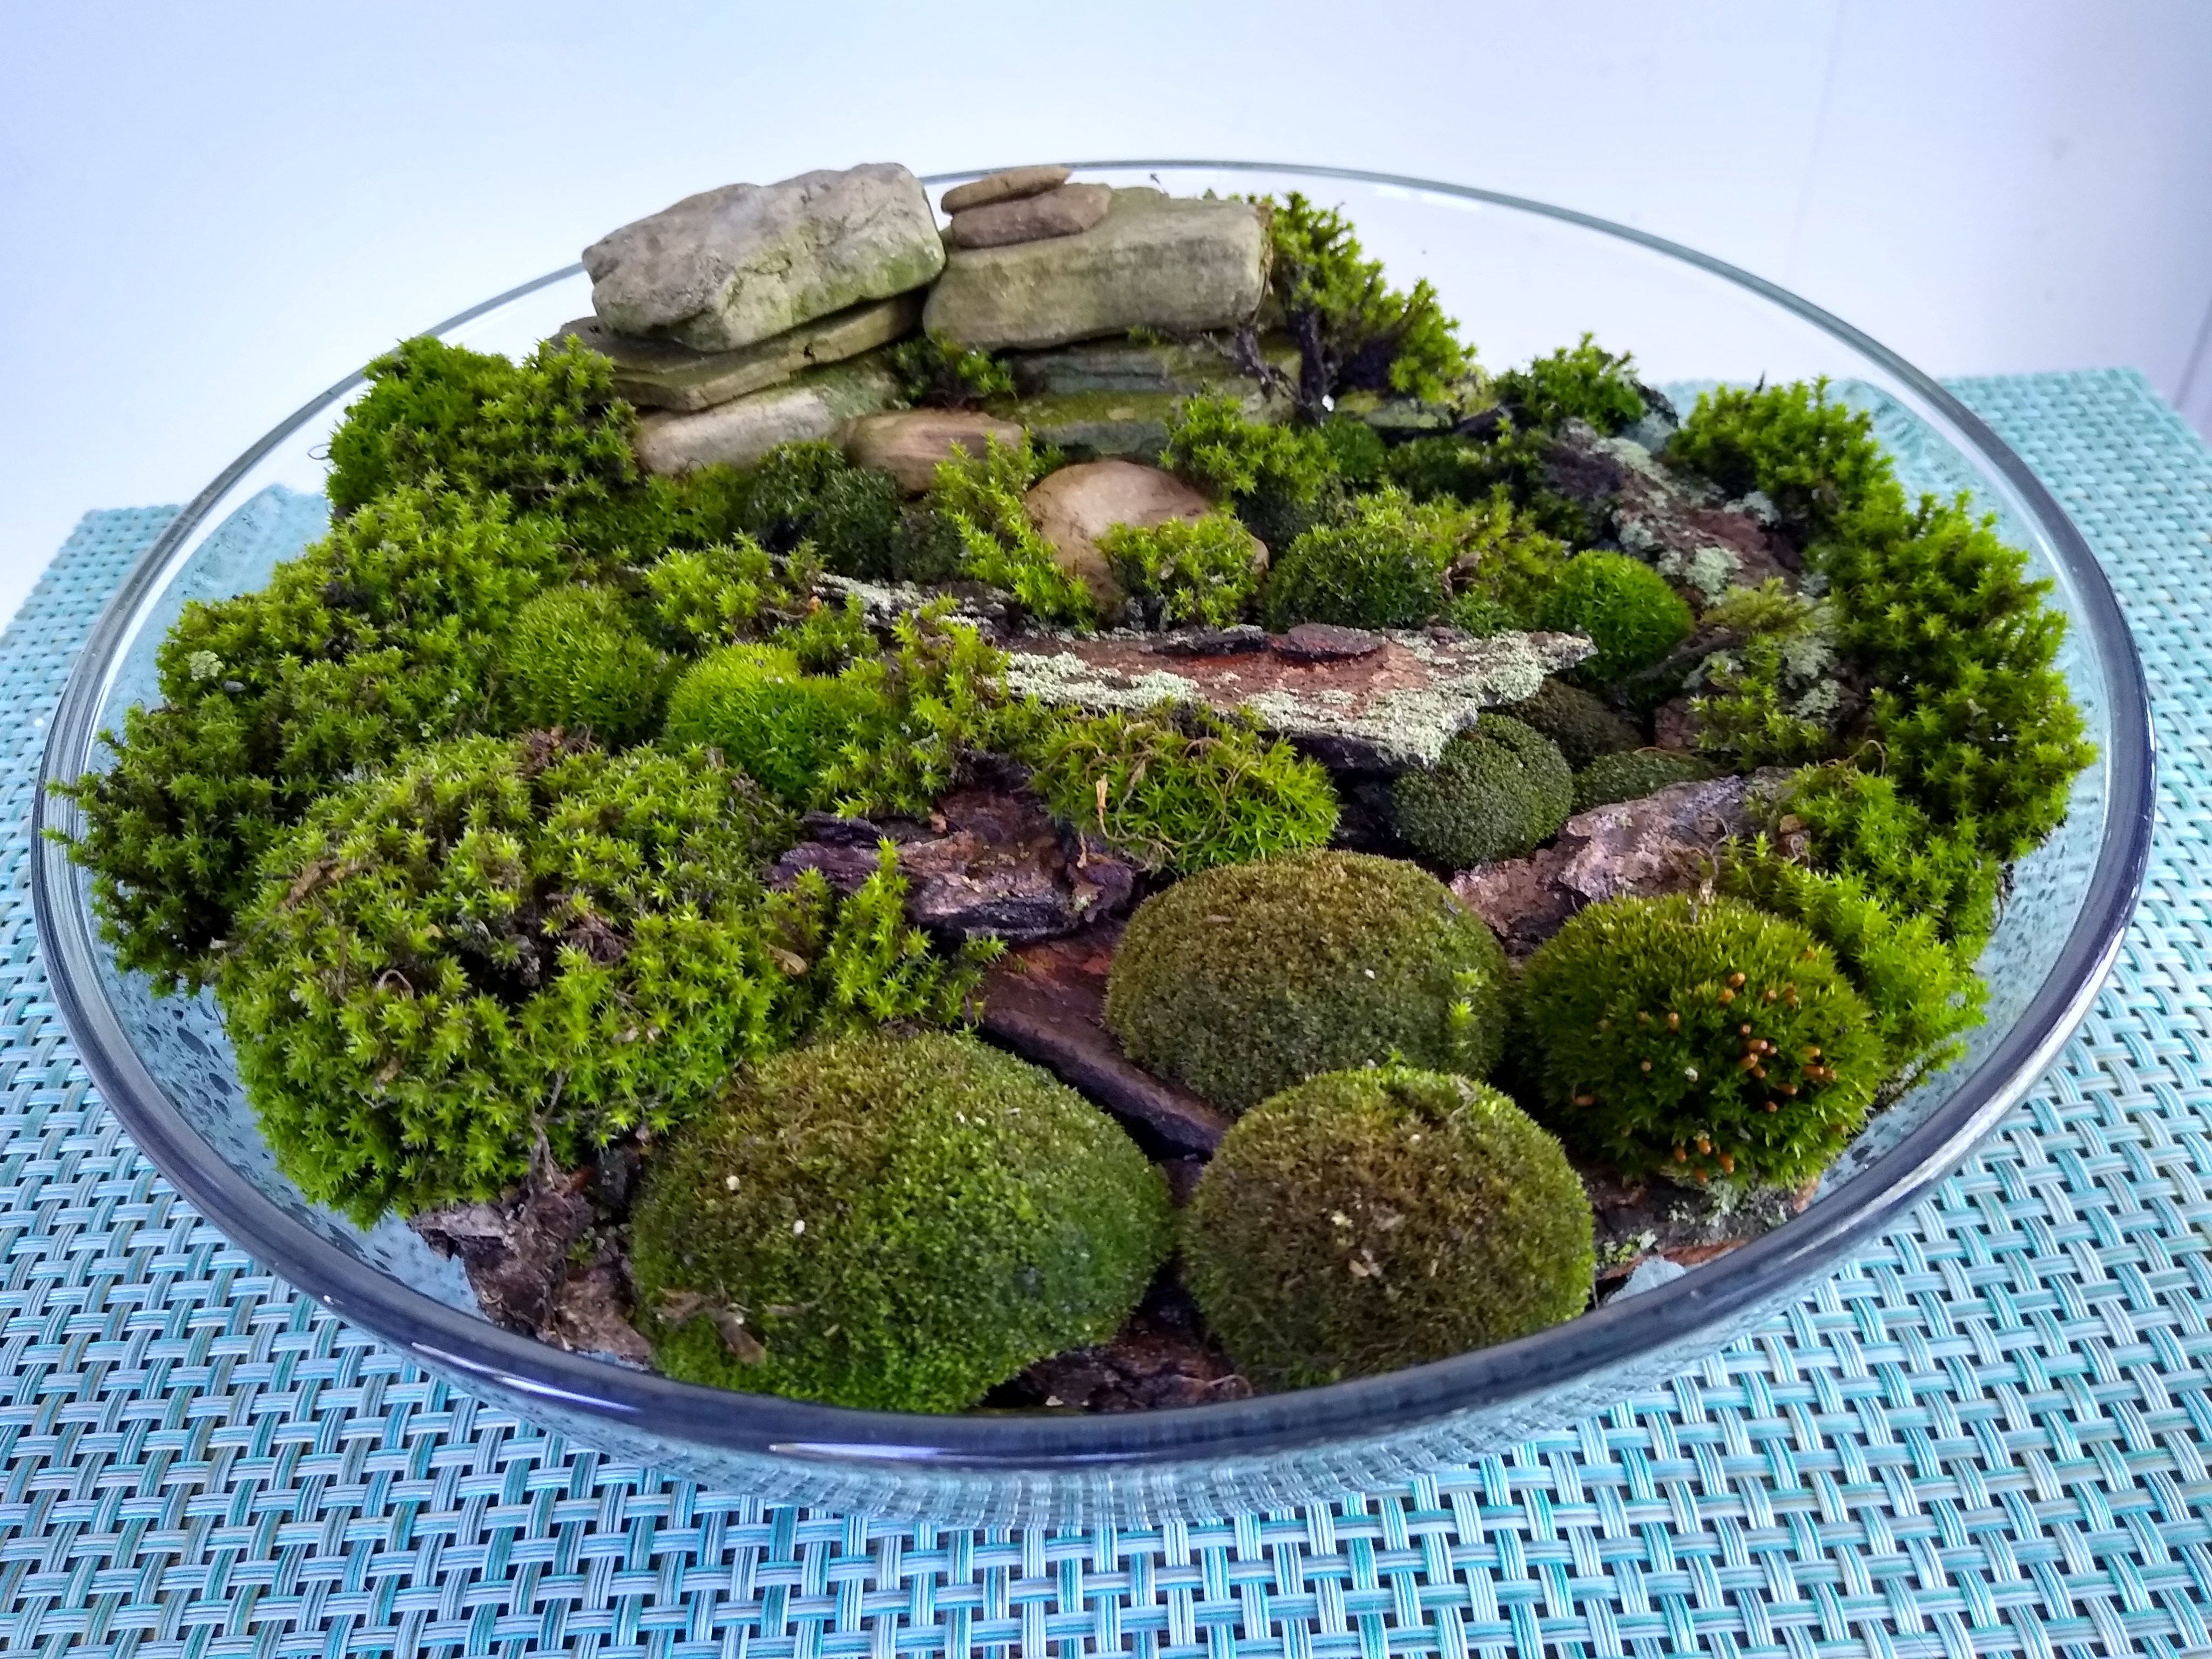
(1634, 775)
(895, 1224)
(575, 661)
(1636, 1013)
(1582, 724)
(1245, 979)
(936, 373)
(1367, 1220)
(808, 492)
(1384, 566)
(1498, 790)
(1623, 605)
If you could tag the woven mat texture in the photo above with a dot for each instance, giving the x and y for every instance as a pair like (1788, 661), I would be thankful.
(1988, 1437)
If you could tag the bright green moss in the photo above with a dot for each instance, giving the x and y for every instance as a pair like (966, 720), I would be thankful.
(1818, 461)
(861, 963)
(781, 727)
(499, 942)
(575, 661)
(1922, 992)
(1355, 332)
(1758, 703)
(979, 498)
(896, 1224)
(1205, 570)
(1634, 775)
(1582, 725)
(1385, 566)
(1356, 450)
(1182, 789)
(547, 432)
(1582, 382)
(936, 373)
(1636, 1013)
(1498, 790)
(1281, 480)
(1858, 824)
(1504, 556)
(809, 492)
(1623, 605)
(1245, 979)
(378, 637)
(735, 589)
(1367, 1220)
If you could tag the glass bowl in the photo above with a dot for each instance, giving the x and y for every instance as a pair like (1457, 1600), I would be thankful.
(1522, 277)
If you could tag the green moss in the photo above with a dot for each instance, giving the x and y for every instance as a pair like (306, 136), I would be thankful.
(1244, 980)
(378, 637)
(1773, 701)
(1623, 605)
(1818, 461)
(892, 1223)
(1384, 566)
(1632, 775)
(1504, 556)
(861, 963)
(1367, 1220)
(1281, 480)
(1201, 570)
(1635, 1011)
(1354, 331)
(1356, 450)
(574, 661)
(936, 373)
(1583, 382)
(1182, 789)
(1582, 725)
(783, 728)
(547, 432)
(980, 499)
(499, 942)
(702, 507)
(737, 590)
(1499, 790)
(1858, 824)
(1922, 992)
(809, 492)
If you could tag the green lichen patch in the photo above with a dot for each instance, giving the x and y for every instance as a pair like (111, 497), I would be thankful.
(892, 1222)
(1498, 790)
(1366, 1220)
(1248, 978)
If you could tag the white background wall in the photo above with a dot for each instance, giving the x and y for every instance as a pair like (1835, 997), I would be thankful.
(210, 212)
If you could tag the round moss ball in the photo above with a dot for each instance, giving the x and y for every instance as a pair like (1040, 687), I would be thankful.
(1245, 979)
(1368, 1220)
(1499, 790)
(1695, 1038)
(574, 661)
(1632, 776)
(1582, 727)
(779, 725)
(896, 1223)
(1625, 608)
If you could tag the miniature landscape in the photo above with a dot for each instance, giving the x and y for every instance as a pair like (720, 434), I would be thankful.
(1078, 809)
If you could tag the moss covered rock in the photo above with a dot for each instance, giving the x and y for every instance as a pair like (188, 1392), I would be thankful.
(1498, 790)
(1688, 1038)
(1625, 608)
(576, 661)
(780, 726)
(1362, 1221)
(894, 1223)
(1245, 979)
(1632, 776)
(1582, 725)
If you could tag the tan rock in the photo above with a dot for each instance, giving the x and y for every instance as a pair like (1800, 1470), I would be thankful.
(908, 443)
(814, 404)
(662, 374)
(1014, 183)
(1073, 507)
(1067, 211)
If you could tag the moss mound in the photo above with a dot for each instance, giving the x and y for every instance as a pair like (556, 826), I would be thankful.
(1244, 980)
(1625, 608)
(1367, 1220)
(574, 661)
(1382, 566)
(1499, 790)
(809, 492)
(1676, 1037)
(780, 726)
(1633, 776)
(894, 1223)
(1580, 723)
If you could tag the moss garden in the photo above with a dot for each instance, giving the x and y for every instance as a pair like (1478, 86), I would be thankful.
(635, 844)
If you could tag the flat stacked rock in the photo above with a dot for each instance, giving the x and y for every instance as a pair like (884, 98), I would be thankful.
(1024, 205)
(662, 374)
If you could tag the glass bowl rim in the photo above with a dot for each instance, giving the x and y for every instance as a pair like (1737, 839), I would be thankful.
(1363, 1409)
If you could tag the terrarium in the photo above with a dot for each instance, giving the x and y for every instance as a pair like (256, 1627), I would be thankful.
(1076, 833)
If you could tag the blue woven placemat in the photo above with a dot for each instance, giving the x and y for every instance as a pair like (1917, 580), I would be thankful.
(1990, 1437)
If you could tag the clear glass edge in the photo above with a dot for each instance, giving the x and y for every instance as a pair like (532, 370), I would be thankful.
(1363, 1410)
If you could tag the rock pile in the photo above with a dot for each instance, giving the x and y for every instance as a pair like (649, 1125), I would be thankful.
(1025, 204)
